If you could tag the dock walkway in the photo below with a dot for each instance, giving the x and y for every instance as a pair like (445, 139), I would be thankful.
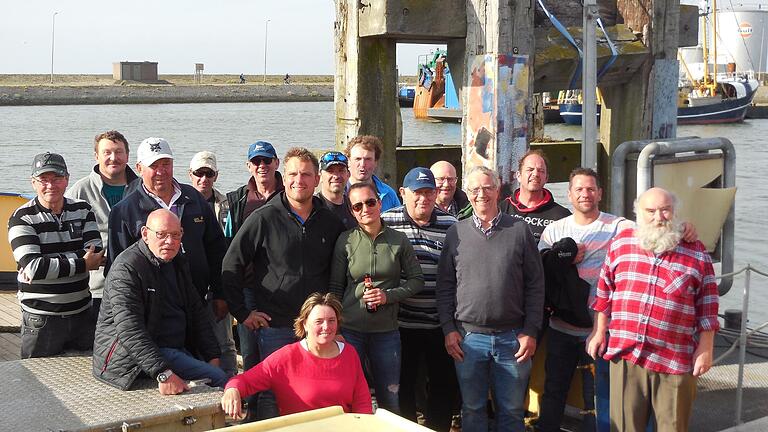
(10, 326)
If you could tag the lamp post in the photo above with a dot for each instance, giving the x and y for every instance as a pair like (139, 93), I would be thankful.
(266, 32)
(53, 39)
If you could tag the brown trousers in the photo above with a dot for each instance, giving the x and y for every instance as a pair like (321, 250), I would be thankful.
(638, 393)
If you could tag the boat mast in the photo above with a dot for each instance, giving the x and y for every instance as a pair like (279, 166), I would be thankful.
(714, 45)
(705, 51)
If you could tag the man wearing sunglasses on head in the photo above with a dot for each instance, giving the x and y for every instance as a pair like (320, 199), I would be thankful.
(334, 174)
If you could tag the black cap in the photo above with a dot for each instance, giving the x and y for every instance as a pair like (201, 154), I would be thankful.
(49, 162)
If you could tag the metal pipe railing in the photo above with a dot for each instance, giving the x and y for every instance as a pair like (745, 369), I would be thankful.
(743, 334)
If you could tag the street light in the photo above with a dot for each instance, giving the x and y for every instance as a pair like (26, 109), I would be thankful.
(266, 32)
(53, 38)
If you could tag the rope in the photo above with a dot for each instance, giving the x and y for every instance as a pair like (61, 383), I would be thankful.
(563, 31)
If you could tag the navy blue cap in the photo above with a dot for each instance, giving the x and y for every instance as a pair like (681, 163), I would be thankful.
(261, 148)
(419, 178)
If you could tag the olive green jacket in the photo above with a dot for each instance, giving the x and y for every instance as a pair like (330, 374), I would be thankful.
(392, 264)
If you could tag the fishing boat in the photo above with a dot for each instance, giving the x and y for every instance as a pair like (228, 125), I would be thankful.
(569, 103)
(9, 202)
(436, 97)
(712, 96)
(405, 95)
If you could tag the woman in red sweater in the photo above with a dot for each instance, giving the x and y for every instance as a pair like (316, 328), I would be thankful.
(315, 372)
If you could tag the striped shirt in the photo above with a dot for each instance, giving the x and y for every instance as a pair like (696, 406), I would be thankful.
(657, 303)
(49, 251)
(420, 310)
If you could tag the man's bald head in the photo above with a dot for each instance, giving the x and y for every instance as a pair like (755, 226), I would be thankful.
(162, 234)
(445, 181)
(657, 227)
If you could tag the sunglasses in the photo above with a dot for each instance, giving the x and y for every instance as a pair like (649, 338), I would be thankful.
(334, 157)
(258, 160)
(203, 172)
(370, 203)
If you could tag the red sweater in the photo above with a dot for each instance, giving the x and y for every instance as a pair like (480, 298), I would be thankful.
(303, 382)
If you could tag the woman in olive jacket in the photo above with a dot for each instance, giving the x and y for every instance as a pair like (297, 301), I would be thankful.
(374, 267)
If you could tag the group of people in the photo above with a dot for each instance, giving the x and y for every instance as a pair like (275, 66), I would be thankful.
(445, 295)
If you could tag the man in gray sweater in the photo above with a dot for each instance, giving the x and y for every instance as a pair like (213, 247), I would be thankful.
(108, 182)
(490, 300)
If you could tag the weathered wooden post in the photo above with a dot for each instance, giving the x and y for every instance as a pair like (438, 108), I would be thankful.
(497, 84)
(365, 85)
(644, 107)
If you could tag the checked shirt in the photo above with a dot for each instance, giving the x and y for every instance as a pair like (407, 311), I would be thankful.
(657, 303)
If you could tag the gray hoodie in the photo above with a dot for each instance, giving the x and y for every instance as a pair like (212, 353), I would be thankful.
(89, 189)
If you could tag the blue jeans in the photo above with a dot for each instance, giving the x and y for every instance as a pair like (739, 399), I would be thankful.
(271, 339)
(382, 350)
(187, 367)
(490, 363)
(249, 348)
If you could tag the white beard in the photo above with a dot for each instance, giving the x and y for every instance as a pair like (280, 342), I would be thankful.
(659, 239)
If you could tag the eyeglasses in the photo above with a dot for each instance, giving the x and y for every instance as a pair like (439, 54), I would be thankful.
(370, 203)
(162, 235)
(334, 157)
(49, 181)
(485, 189)
(258, 160)
(449, 180)
(204, 172)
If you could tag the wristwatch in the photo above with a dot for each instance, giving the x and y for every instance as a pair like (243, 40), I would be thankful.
(164, 376)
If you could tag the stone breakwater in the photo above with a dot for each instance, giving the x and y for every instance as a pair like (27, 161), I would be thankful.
(156, 94)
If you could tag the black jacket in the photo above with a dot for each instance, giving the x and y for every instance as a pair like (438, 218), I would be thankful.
(237, 200)
(290, 260)
(565, 294)
(203, 241)
(131, 312)
(537, 217)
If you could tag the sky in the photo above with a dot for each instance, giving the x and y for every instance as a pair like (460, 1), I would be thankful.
(227, 36)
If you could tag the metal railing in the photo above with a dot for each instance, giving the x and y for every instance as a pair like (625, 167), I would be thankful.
(744, 333)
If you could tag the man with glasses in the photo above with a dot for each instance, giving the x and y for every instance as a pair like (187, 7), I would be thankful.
(108, 182)
(203, 241)
(450, 198)
(203, 173)
(152, 314)
(490, 300)
(334, 174)
(55, 242)
(264, 183)
(364, 152)
(425, 225)
(281, 254)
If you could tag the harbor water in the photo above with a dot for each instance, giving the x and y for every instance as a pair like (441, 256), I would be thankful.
(228, 129)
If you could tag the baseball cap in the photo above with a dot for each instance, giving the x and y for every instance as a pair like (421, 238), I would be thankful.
(152, 149)
(333, 158)
(49, 162)
(261, 148)
(419, 178)
(203, 159)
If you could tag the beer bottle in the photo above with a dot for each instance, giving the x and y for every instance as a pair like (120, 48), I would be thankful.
(368, 283)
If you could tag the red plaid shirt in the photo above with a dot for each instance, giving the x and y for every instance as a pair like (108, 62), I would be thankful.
(657, 303)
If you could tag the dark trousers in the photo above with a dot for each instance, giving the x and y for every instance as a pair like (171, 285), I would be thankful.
(426, 347)
(564, 353)
(49, 335)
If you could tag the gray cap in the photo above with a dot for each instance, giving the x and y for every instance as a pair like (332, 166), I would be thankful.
(49, 162)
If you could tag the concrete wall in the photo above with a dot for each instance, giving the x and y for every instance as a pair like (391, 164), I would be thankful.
(95, 95)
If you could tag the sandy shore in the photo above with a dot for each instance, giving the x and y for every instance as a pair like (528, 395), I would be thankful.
(102, 89)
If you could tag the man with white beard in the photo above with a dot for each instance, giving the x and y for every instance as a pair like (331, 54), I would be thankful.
(659, 294)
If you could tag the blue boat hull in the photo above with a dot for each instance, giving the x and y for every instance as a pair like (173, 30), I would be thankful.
(571, 113)
(728, 111)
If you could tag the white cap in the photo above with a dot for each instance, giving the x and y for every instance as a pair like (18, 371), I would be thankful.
(152, 149)
(203, 159)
